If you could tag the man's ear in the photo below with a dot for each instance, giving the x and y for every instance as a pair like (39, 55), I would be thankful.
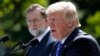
(70, 23)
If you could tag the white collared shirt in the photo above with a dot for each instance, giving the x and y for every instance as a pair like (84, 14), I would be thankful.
(63, 40)
(43, 34)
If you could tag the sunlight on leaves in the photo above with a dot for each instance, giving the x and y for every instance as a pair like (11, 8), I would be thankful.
(1, 13)
(94, 24)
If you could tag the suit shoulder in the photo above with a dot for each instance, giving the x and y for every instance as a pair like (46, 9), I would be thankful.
(85, 41)
(85, 38)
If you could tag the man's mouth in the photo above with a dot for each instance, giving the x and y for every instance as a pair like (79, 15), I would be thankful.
(53, 30)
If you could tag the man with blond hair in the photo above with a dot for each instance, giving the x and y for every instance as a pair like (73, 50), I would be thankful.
(63, 20)
(37, 25)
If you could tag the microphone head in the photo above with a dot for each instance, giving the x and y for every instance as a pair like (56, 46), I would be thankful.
(34, 42)
(4, 39)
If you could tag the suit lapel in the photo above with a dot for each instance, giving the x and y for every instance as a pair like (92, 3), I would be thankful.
(43, 43)
(37, 50)
(70, 39)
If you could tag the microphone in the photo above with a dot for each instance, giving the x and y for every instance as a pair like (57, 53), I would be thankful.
(9, 51)
(4, 39)
(32, 42)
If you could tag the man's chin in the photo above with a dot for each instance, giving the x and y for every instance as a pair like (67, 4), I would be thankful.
(33, 32)
(56, 37)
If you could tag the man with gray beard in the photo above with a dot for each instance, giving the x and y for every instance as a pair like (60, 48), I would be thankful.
(37, 25)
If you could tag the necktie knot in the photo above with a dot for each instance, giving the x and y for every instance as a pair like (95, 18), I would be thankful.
(59, 44)
(34, 42)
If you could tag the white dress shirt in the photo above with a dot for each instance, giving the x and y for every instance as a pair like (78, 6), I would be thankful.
(43, 34)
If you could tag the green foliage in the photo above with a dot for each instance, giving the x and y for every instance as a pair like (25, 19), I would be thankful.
(12, 20)
(94, 24)
(12, 14)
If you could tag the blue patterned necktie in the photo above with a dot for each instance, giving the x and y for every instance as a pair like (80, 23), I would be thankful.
(58, 50)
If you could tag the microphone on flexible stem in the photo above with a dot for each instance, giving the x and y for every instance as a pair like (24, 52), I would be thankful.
(8, 53)
(4, 39)
(32, 42)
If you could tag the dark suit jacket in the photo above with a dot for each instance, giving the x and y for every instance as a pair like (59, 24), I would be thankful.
(80, 43)
(41, 48)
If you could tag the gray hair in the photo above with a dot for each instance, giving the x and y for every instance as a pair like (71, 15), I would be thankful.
(64, 7)
(36, 6)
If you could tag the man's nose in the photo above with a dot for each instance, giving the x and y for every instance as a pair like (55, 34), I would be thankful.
(32, 24)
(51, 23)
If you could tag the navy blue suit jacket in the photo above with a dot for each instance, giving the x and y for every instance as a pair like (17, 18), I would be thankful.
(41, 48)
(79, 43)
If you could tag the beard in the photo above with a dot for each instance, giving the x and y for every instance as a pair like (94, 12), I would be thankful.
(37, 32)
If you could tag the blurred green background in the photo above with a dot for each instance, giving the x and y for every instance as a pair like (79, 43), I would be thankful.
(12, 20)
